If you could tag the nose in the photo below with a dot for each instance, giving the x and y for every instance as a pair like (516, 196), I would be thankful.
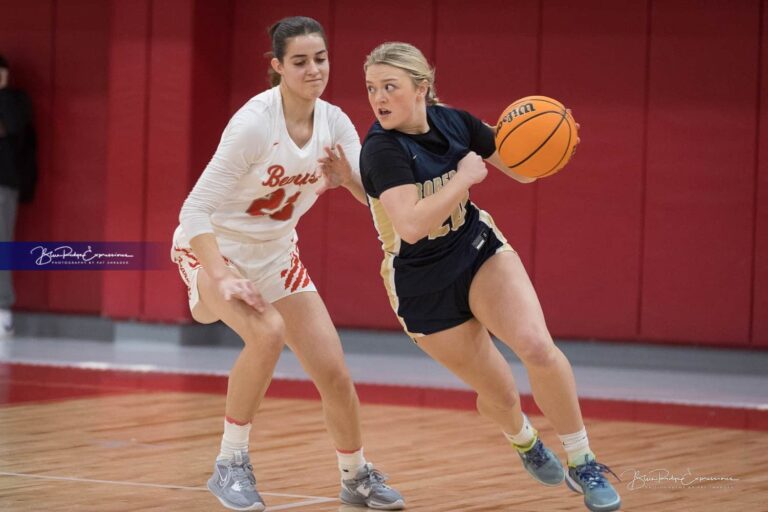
(313, 69)
(378, 96)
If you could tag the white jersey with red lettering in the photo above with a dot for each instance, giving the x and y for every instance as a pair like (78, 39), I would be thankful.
(259, 182)
(252, 194)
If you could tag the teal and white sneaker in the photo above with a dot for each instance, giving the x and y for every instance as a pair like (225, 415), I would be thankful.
(368, 489)
(234, 485)
(541, 463)
(588, 479)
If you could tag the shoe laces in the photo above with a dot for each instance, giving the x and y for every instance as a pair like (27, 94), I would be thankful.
(243, 474)
(374, 478)
(537, 455)
(591, 474)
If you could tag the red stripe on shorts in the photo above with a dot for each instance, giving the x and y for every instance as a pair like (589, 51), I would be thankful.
(302, 275)
(295, 265)
(193, 261)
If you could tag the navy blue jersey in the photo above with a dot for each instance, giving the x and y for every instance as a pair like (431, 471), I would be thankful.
(390, 158)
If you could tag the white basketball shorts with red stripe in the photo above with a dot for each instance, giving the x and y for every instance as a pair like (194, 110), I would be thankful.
(274, 267)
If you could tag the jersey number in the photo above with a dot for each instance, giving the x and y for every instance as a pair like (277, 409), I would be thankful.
(456, 220)
(274, 204)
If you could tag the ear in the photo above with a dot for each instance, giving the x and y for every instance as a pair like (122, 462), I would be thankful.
(423, 88)
(276, 65)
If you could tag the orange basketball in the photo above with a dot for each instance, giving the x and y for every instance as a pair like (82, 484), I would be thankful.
(535, 136)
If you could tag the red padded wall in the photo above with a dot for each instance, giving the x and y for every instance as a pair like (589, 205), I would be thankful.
(26, 39)
(700, 168)
(211, 71)
(126, 148)
(168, 148)
(79, 144)
(249, 42)
(589, 216)
(656, 231)
(760, 307)
(189, 92)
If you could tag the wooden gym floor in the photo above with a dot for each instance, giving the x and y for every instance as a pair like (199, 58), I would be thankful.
(92, 445)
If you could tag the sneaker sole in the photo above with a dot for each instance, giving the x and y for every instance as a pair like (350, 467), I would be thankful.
(546, 483)
(572, 485)
(255, 506)
(397, 505)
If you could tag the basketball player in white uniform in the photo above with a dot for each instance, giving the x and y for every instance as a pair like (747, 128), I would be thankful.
(236, 248)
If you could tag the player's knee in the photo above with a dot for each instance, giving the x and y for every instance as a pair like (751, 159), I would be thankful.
(536, 348)
(336, 383)
(267, 330)
(500, 403)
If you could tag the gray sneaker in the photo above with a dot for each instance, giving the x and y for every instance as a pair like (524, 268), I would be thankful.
(542, 464)
(588, 479)
(234, 485)
(368, 489)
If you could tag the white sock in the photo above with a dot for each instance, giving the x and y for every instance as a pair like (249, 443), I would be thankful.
(235, 439)
(577, 447)
(350, 463)
(525, 438)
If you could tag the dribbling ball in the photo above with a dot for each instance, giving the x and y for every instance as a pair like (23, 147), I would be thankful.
(535, 136)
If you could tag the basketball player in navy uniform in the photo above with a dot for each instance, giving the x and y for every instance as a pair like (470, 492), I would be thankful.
(450, 274)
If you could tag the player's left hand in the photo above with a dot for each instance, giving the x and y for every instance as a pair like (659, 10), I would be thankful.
(335, 168)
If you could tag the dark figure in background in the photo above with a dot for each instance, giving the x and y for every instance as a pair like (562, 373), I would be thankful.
(18, 174)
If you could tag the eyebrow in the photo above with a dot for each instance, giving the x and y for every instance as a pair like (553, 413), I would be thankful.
(384, 80)
(301, 55)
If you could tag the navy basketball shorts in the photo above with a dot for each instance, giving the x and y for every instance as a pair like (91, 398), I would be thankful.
(434, 312)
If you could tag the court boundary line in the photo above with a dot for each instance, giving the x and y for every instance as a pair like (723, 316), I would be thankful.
(313, 499)
(299, 504)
